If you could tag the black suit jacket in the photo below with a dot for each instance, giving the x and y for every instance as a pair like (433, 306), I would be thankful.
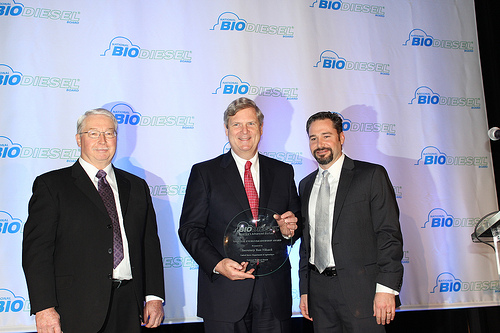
(67, 240)
(367, 242)
(215, 194)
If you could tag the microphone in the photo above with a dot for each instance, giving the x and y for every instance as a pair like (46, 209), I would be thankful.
(494, 133)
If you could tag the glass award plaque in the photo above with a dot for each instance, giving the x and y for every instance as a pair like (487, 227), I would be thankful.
(256, 241)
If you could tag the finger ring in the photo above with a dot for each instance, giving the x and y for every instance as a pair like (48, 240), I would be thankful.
(388, 313)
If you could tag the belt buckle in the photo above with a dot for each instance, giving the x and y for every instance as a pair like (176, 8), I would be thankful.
(119, 283)
(330, 271)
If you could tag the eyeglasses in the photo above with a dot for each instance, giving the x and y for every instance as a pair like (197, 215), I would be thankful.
(96, 134)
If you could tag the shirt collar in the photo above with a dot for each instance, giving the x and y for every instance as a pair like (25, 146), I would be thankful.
(92, 170)
(335, 168)
(240, 162)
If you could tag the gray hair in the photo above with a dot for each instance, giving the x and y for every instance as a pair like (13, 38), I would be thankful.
(240, 104)
(99, 111)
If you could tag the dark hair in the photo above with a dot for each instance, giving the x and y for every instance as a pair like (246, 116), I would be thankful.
(333, 116)
(240, 104)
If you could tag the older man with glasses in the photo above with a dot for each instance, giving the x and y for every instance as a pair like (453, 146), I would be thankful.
(91, 253)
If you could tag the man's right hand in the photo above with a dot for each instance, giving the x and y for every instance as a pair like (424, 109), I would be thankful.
(48, 321)
(304, 306)
(234, 271)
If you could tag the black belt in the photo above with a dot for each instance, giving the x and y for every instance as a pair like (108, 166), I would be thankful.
(329, 271)
(119, 283)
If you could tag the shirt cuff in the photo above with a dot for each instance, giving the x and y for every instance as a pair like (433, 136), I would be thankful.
(154, 298)
(383, 289)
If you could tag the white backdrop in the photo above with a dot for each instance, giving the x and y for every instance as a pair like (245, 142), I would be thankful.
(403, 74)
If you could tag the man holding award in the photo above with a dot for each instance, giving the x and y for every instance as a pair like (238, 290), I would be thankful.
(237, 219)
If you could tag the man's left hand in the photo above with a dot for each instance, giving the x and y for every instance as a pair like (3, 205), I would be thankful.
(287, 222)
(153, 314)
(384, 308)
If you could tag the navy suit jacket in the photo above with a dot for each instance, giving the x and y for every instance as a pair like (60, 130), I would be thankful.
(366, 239)
(67, 257)
(215, 194)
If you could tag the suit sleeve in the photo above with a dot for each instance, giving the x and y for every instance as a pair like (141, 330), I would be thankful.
(294, 206)
(303, 250)
(154, 280)
(304, 270)
(385, 218)
(193, 222)
(38, 247)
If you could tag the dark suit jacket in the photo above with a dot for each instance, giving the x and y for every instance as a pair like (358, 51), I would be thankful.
(67, 240)
(367, 241)
(215, 194)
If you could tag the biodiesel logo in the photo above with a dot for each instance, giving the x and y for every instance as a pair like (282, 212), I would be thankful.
(294, 158)
(250, 229)
(17, 9)
(229, 21)
(439, 218)
(9, 302)
(419, 38)
(431, 155)
(426, 96)
(9, 224)
(446, 282)
(10, 77)
(406, 257)
(124, 48)
(398, 191)
(9, 150)
(339, 5)
(233, 85)
(179, 262)
(352, 126)
(330, 60)
(167, 190)
(126, 115)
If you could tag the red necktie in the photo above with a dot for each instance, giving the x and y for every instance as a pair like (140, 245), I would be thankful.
(253, 197)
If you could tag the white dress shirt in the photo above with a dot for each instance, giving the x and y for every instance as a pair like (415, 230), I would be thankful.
(240, 163)
(254, 169)
(335, 169)
(123, 271)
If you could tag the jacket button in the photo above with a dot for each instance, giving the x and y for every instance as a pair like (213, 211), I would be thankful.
(109, 226)
(110, 276)
(110, 251)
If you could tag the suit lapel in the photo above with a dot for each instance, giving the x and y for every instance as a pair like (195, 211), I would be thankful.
(266, 181)
(123, 190)
(305, 197)
(231, 176)
(344, 182)
(84, 183)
